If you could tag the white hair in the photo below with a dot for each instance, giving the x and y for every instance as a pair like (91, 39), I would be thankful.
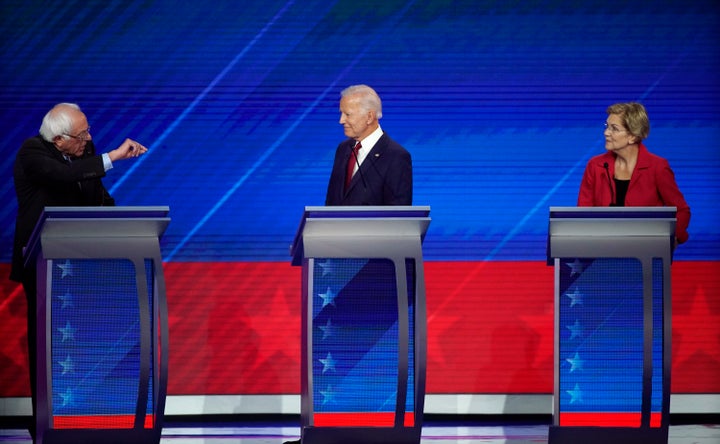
(58, 121)
(369, 99)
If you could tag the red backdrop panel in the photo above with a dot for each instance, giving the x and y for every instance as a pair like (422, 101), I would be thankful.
(235, 327)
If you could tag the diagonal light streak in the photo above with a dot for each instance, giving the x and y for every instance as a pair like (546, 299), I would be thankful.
(460, 288)
(110, 353)
(579, 164)
(250, 171)
(470, 277)
(191, 107)
(583, 160)
(280, 141)
(540, 204)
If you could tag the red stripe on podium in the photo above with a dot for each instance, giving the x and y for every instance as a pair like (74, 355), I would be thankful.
(99, 422)
(607, 419)
(655, 420)
(358, 419)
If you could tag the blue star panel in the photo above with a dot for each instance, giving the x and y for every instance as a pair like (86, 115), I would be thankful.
(601, 341)
(96, 340)
(355, 337)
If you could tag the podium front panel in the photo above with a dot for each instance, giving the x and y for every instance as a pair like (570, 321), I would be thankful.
(363, 324)
(355, 353)
(602, 344)
(95, 351)
(102, 333)
(612, 324)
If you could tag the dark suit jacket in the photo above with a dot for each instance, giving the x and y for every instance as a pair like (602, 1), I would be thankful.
(384, 177)
(44, 178)
(652, 185)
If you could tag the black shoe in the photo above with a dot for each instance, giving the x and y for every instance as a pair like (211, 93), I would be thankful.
(293, 442)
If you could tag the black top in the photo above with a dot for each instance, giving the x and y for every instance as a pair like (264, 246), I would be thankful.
(621, 187)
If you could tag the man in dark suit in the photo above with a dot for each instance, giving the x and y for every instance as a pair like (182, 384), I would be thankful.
(370, 168)
(379, 171)
(58, 167)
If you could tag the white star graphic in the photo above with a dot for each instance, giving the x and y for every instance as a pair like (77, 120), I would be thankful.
(68, 365)
(576, 298)
(575, 394)
(575, 329)
(328, 395)
(575, 363)
(67, 268)
(67, 300)
(328, 298)
(327, 267)
(67, 398)
(328, 363)
(68, 332)
(576, 267)
(327, 329)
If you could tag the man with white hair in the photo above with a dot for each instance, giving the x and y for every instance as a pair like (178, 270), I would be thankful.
(57, 168)
(370, 168)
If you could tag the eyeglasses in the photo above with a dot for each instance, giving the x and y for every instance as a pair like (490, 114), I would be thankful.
(83, 135)
(614, 128)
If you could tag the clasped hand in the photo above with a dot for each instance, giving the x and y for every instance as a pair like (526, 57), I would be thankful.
(129, 148)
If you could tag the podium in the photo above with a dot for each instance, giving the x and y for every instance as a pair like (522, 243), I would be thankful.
(363, 323)
(612, 323)
(102, 331)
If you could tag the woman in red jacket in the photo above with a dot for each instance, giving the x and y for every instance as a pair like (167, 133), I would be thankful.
(627, 174)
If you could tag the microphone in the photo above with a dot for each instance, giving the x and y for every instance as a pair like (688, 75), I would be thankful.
(612, 190)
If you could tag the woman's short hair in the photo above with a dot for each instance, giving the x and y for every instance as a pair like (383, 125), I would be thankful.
(634, 116)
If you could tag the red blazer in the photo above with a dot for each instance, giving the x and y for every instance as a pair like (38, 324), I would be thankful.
(652, 185)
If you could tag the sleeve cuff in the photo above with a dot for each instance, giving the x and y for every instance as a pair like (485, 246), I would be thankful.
(107, 163)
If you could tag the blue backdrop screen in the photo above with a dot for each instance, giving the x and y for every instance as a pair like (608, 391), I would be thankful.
(501, 104)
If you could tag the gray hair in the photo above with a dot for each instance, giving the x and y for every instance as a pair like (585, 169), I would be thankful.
(57, 121)
(369, 99)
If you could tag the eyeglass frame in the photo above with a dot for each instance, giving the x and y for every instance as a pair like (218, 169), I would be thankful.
(614, 129)
(83, 135)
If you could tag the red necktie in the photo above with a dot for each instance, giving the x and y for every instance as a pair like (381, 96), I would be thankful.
(352, 161)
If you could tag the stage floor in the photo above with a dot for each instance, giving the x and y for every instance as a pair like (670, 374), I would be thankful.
(432, 434)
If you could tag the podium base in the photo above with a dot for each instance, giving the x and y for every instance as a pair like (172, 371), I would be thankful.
(359, 435)
(95, 436)
(605, 435)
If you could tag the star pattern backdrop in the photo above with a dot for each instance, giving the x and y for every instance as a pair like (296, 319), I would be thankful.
(501, 104)
(355, 339)
(95, 346)
(601, 342)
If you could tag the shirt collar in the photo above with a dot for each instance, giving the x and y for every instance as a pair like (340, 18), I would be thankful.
(369, 142)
